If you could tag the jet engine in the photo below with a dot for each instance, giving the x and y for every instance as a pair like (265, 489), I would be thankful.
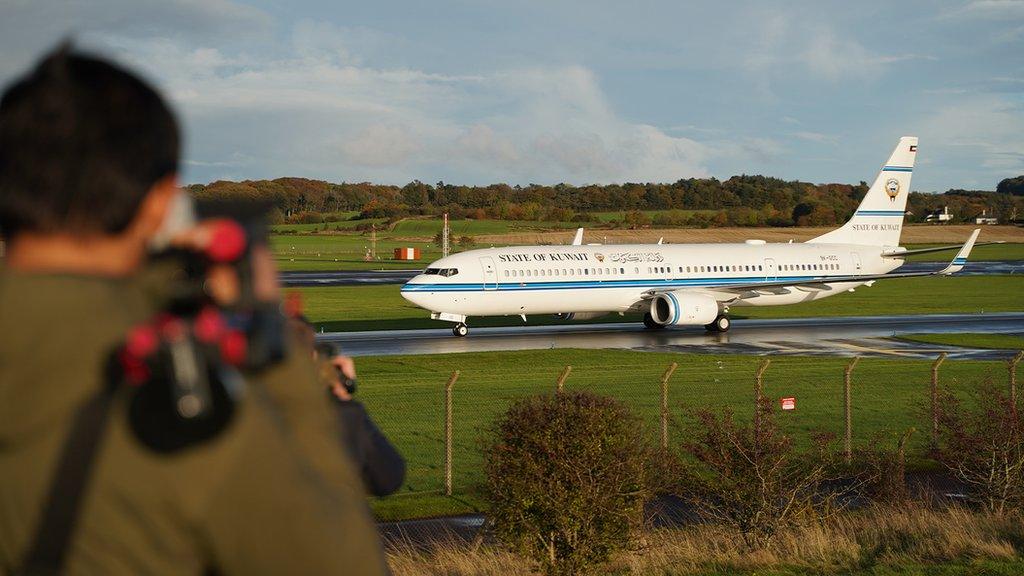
(680, 308)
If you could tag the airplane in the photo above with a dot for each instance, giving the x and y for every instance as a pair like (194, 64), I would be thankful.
(681, 284)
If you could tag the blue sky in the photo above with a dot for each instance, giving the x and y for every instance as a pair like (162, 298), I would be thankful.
(478, 91)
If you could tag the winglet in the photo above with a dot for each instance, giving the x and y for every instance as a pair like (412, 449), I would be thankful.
(961, 257)
(578, 239)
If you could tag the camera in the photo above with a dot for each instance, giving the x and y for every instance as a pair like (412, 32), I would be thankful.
(325, 351)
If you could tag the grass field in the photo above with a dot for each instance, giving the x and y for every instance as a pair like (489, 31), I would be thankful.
(405, 394)
(995, 341)
(350, 308)
(344, 252)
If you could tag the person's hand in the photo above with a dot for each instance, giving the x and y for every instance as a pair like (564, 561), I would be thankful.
(347, 366)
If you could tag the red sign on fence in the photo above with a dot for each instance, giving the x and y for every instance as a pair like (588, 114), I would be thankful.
(788, 403)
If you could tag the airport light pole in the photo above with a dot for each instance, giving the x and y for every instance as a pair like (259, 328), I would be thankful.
(444, 237)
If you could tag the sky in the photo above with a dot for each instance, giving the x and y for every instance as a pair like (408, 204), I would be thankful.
(478, 92)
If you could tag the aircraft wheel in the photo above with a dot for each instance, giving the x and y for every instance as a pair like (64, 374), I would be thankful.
(721, 324)
(460, 330)
(650, 324)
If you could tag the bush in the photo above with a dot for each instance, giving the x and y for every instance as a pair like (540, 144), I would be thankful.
(982, 446)
(749, 476)
(306, 218)
(566, 481)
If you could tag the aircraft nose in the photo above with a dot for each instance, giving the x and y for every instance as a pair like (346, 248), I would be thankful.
(409, 293)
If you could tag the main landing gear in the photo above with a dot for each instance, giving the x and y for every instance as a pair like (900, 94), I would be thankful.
(650, 324)
(460, 329)
(721, 324)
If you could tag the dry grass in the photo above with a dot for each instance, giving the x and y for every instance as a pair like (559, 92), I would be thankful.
(859, 541)
(920, 234)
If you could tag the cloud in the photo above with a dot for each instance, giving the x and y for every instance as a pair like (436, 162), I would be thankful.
(986, 130)
(987, 10)
(317, 112)
(830, 56)
(91, 23)
(815, 137)
(381, 145)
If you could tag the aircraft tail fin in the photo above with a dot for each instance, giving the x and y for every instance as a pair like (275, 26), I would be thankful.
(878, 220)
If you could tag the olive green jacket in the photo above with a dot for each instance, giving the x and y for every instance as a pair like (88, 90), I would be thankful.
(274, 493)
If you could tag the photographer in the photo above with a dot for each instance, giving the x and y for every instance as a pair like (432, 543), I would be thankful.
(380, 465)
(89, 483)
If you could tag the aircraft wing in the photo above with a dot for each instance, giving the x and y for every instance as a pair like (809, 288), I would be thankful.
(822, 283)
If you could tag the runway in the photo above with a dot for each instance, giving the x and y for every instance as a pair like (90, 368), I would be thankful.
(869, 336)
(377, 277)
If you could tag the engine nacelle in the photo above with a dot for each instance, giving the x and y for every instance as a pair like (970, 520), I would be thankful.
(679, 308)
(580, 315)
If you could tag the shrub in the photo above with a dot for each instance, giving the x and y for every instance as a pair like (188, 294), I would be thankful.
(981, 443)
(749, 476)
(306, 218)
(466, 242)
(565, 477)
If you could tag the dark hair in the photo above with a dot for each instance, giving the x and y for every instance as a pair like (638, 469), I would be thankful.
(81, 143)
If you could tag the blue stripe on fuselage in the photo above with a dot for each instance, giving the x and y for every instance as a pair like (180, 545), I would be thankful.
(647, 284)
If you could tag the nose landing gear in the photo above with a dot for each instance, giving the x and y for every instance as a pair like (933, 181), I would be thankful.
(460, 330)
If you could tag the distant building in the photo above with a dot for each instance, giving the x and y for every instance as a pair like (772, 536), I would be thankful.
(939, 216)
(984, 218)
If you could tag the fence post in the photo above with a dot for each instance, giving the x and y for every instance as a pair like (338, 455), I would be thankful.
(848, 410)
(759, 389)
(561, 379)
(664, 404)
(935, 399)
(1012, 367)
(448, 425)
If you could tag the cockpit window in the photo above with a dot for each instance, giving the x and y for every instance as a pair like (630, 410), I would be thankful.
(446, 272)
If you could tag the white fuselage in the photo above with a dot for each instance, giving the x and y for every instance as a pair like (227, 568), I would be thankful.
(615, 278)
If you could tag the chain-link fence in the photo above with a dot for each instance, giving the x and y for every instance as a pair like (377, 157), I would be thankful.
(436, 409)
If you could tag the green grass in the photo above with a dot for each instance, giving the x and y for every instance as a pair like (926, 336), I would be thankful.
(996, 341)
(1011, 251)
(344, 252)
(928, 295)
(405, 395)
(351, 308)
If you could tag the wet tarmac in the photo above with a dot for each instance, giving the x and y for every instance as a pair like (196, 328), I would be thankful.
(869, 336)
(376, 277)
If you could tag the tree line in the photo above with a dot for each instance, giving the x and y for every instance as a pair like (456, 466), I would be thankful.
(745, 200)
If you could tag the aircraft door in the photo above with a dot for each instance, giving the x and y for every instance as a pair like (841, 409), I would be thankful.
(490, 275)
(770, 270)
(856, 262)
